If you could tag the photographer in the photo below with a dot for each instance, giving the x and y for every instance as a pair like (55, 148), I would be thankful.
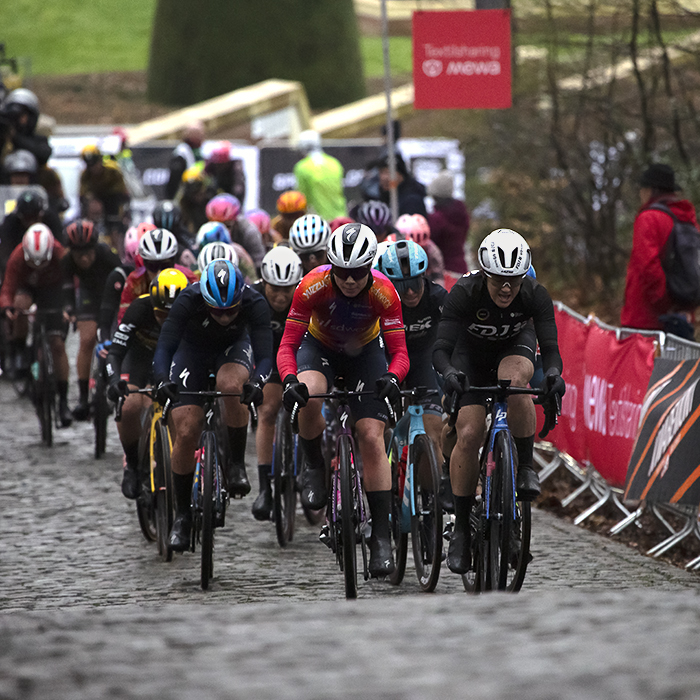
(19, 114)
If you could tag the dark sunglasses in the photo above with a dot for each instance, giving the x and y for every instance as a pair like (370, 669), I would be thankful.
(412, 284)
(357, 273)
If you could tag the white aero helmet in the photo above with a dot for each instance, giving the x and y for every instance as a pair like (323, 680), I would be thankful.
(282, 267)
(352, 245)
(309, 233)
(504, 252)
(216, 251)
(37, 244)
(158, 245)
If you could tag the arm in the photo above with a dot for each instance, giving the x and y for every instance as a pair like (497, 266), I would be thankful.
(261, 340)
(449, 329)
(651, 232)
(546, 330)
(294, 329)
(110, 302)
(391, 321)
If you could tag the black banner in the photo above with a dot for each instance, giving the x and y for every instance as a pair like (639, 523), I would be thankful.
(665, 463)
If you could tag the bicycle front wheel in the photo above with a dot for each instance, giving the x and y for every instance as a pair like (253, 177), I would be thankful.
(283, 484)
(164, 491)
(100, 409)
(502, 513)
(348, 502)
(208, 474)
(399, 538)
(145, 504)
(426, 520)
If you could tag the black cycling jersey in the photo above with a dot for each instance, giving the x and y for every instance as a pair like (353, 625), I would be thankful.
(111, 298)
(472, 323)
(421, 321)
(278, 318)
(138, 328)
(190, 321)
(94, 278)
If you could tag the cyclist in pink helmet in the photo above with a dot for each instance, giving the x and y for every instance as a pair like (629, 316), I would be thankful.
(261, 220)
(227, 209)
(131, 246)
(415, 227)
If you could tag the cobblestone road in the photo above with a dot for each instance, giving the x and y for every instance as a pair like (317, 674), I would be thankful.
(87, 609)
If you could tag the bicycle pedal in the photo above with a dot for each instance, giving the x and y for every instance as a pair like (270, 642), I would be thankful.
(325, 536)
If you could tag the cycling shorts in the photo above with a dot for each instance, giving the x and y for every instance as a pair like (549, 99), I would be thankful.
(87, 304)
(422, 373)
(483, 370)
(359, 371)
(192, 364)
(137, 366)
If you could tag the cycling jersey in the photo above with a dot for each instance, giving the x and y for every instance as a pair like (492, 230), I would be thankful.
(92, 281)
(111, 296)
(139, 332)
(137, 283)
(472, 324)
(19, 276)
(189, 321)
(344, 324)
(421, 321)
(278, 318)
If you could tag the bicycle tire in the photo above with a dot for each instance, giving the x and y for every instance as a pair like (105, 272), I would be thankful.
(348, 500)
(522, 558)
(164, 491)
(100, 410)
(399, 539)
(426, 523)
(145, 507)
(283, 482)
(501, 520)
(208, 474)
(476, 579)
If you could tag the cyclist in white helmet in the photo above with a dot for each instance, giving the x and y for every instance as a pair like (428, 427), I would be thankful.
(281, 271)
(216, 251)
(334, 322)
(309, 237)
(491, 324)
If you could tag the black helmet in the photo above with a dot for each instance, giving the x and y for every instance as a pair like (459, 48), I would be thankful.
(167, 215)
(31, 203)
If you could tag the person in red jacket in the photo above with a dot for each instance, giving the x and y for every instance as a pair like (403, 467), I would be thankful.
(34, 275)
(647, 304)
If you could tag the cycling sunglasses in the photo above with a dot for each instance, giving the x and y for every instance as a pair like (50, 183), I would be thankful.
(357, 273)
(412, 284)
(501, 281)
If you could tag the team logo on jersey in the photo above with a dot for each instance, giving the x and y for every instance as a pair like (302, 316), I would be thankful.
(482, 314)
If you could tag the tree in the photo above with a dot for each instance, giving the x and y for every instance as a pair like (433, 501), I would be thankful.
(204, 49)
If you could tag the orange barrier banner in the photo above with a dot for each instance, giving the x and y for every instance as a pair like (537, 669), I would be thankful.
(665, 464)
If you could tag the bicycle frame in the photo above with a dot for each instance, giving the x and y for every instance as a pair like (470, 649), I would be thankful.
(499, 423)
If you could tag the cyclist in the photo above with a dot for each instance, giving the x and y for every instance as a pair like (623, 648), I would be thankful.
(491, 323)
(130, 364)
(103, 180)
(405, 263)
(308, 237)
(221, 325)
(158, 250)
(290, 205)
(334, 323)
(261, 220)
(415, 228)
(33, 275)
(90, 263)
(216, 251)
(377, 216)
(196, 190)
(281, 273)
(216, 232)
(167, 215)
(227, 209)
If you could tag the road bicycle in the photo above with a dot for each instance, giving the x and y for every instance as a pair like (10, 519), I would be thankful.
(346, 513)
(209, 490)
(415, 476)
(500, 521)
(99, 403)
(155, 506)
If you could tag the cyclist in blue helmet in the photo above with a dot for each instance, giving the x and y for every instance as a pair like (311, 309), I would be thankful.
(217, 325)
(212, 232)
(405, 264)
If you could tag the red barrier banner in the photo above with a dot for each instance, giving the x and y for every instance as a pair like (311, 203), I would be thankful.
(616, 377)
(569, 435)
(665, 464)
(461, 59)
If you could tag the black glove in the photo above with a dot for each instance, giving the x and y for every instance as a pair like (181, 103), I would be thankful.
(167, 391)
(388, 388)
(294, 393)
(117, 389)
(252, 393)
(553, 384)
(456, 382)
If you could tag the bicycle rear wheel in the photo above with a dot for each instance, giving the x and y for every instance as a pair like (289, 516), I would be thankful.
(348, 501)
(283, 483)
(502, 515)
(145, 507)
(208, 474)
(164, 491)
(426, 522)
(100, 407)
(399, 539)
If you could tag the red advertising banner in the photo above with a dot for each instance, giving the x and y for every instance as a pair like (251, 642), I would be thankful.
(616, 376)
(461, 59)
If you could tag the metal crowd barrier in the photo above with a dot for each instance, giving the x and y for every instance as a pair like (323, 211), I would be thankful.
(550, 459)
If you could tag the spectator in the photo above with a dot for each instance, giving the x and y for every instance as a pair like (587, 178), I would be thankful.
(320, 178)
(185, 155)
(19, 115)
(410, 192)
(449, 222)
(226, 172)
(647, 304)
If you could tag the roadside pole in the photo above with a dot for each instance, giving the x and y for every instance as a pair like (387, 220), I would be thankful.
(393, 195)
